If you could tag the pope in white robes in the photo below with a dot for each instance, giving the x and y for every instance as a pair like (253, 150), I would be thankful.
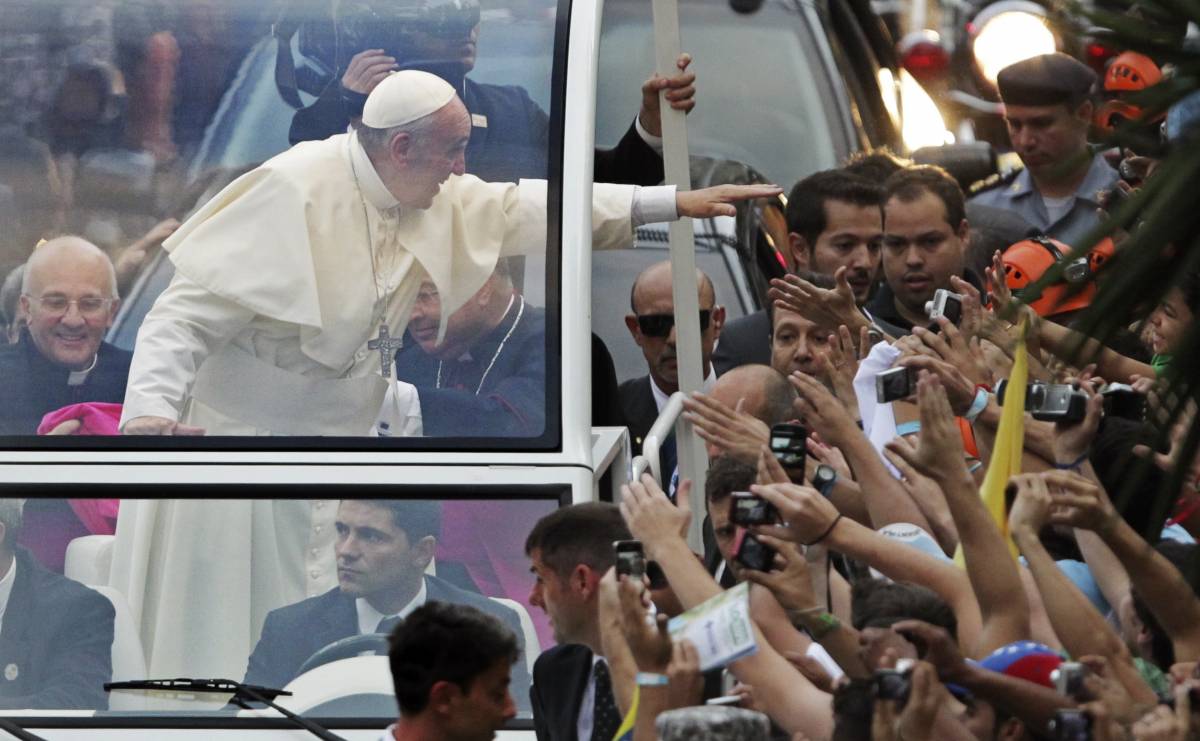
(281, 281)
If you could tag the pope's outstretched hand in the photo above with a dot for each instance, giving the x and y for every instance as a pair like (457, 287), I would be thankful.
(150, 425)
(719, 199)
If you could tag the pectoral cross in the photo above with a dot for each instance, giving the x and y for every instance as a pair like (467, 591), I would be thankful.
(387, 347)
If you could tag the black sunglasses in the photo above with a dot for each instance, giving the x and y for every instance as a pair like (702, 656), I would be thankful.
(659, 325)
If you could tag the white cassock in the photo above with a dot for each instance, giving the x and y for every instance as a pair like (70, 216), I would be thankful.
(264, 330)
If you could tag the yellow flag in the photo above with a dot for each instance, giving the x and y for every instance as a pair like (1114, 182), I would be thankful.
(625, 732)
(1010, 442)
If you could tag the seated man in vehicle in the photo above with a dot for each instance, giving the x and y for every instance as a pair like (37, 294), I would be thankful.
(57, 635)
(834, 220)
(508, 129)
(652, 324)
(68, 300)
(451, 667)
(383, 549)
(487, 377)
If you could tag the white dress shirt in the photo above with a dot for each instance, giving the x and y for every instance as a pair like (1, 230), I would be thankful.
(587, 706)
(661, 397)
(369, 617)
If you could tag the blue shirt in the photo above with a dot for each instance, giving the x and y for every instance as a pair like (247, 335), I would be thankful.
(1021, 197)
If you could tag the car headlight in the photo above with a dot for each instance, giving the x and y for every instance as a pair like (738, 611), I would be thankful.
(1007, 33)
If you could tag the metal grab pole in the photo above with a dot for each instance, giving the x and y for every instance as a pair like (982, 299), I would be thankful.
(693, 461)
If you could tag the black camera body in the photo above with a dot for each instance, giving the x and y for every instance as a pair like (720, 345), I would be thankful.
(894, 384)
(945, 303)
(1071, 725)
(388, 25)
(747, 509)
(894, 684)
(1051, 402)
(752, 554)
(1120, 400)
(789, 444)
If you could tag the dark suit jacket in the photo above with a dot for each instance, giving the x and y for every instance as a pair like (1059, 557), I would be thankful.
(560, 676)
(637, 404)
(291, 634)
(512, 145)
(56, 644)
(32, 386)
(512, 400)
(744, 340)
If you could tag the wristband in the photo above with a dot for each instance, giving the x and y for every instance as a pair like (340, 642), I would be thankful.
(1072, 466)
(817, 621)
(650, 679)
(828, 530)
(978, 404)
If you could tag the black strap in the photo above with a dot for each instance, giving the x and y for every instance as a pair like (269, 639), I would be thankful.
(283, 29)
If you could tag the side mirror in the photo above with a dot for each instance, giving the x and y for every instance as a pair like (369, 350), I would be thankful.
(968, 163)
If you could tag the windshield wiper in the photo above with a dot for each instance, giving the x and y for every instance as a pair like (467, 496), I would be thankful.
(242, 695)
(17, 732)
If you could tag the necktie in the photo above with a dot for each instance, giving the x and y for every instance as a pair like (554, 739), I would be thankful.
(606, 719)
(387, 625)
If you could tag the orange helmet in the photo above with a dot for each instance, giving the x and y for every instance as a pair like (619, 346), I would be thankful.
(1028, 260)
(1131, 71)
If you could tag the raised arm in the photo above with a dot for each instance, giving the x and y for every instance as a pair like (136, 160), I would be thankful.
(990, 567)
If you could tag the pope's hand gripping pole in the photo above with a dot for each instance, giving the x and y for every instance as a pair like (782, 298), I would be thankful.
(693, 461)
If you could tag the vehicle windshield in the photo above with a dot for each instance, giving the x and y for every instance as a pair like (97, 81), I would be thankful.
(766, 62)
(279, 593)
(356, 287)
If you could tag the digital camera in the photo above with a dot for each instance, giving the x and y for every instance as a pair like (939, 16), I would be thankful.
(945, 303)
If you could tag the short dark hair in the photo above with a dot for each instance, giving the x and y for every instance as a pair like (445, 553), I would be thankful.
(853, 710)
(874, 165)
(418, 518)
(806, 203)
(726, 475)
(911, 183)
(443, 642)
(578, 534)
(878, 603)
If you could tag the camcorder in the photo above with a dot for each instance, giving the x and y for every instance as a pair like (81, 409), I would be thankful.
(894, 384)
(746, 509)
(1051, 402)
(1120, 400)
(945, 303)
(389, 24)
(631, 558)
(790, 447)
(751, 553)
(1071, 725)
(894, 684)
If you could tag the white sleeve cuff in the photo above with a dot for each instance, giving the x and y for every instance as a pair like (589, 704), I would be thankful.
(653, 204)
(655, 142)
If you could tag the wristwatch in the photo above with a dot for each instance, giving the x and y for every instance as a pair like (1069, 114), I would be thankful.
(823, 479)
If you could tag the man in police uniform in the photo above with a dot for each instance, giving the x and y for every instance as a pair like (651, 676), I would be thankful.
(1048, 109)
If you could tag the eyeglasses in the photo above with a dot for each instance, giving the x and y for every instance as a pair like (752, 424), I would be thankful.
(89, 306)
(659, 325)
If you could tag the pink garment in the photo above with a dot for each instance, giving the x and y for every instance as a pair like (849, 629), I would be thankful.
(98, 418)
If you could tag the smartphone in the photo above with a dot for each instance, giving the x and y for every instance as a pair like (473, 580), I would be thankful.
(747, 509)
(750, 552)
(790, 447)
(631, 559)
(894, 384)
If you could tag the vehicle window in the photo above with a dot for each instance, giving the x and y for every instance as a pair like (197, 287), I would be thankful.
(272, 592)
(766, 62)
(353, 288)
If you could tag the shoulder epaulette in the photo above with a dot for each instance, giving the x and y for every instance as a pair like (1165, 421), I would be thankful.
(998, 180)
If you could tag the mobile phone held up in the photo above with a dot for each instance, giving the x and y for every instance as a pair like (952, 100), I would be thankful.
(789, 446)
(746, 509)
(752, 554)
(631, 559)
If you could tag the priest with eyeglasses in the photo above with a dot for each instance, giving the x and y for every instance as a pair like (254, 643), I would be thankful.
(294, 283)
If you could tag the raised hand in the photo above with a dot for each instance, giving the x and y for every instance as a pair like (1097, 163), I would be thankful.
(1072, 441)
(679, 90)
(649, 642)
(826, 308)
(939, 453)
(651, 516)
(1031, 509)
(959, 389)
(822, 411)
(951, 346)
(367, 69)
(791, 585)
(1079, 502)
(936, 646)
(808, 515)
(719, 199)
(841, 365)
(687, 683)
(735, 432)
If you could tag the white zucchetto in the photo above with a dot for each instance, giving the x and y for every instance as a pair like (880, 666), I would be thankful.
(404, 97)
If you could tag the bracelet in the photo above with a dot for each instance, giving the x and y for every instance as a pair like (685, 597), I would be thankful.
(978, 404)
(825, 623)
(1075, 466)
(828, 530)
(650, 679)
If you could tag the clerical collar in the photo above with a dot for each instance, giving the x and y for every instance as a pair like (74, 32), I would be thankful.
(77, 378)
(369, 181)
(369, 617)
(661, 397)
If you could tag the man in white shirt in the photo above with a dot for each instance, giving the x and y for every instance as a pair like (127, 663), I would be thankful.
(383, 549)
(450, 669)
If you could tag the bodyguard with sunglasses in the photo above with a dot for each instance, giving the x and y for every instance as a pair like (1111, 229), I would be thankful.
(68, 299)
(652, 324)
